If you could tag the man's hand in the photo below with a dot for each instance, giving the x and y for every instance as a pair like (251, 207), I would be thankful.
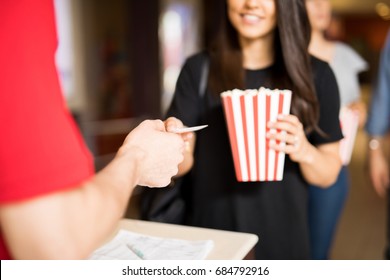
(158, 153)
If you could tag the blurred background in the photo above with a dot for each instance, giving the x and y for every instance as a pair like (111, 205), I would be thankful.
(119, 60)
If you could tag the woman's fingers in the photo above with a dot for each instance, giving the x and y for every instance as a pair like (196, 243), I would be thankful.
(289, 136)
(290, 119)
(172, 123)
(288, 123)
(283, 137)
(288, 149)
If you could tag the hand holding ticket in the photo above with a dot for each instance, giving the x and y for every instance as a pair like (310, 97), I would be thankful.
(188, 129)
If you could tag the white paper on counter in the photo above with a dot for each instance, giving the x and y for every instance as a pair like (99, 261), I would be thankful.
(128, 245)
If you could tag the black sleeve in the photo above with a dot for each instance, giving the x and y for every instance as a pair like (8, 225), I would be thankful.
(329, 105)
(186, 100)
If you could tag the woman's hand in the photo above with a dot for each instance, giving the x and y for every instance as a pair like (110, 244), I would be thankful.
(171, 123)
(361, 109)
(290, 131)
(311, 159)
(189, 143)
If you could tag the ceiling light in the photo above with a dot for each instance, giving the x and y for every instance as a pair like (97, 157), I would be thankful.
(383, 10)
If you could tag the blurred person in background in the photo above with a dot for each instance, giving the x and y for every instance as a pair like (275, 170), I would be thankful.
(378, 128)
(260, 43)
(326, 205)
(52, 205)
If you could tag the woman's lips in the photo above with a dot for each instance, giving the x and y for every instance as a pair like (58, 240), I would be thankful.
(250, 18)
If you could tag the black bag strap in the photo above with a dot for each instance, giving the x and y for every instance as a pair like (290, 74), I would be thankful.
(203, 78)
(203, 86)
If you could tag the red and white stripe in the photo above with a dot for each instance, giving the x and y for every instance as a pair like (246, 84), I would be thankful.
(247, 114)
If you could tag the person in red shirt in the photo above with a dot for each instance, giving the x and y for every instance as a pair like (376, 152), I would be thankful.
(52, 205)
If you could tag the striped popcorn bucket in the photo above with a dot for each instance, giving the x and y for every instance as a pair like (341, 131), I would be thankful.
(349, 121)
(247, 114)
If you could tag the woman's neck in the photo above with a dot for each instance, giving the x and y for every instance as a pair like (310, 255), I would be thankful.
(257, 54)
(321, 47)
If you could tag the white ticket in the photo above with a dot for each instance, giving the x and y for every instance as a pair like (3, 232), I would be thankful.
(188, 129)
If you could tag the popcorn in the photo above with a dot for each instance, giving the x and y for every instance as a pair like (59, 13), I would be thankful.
(247, 113)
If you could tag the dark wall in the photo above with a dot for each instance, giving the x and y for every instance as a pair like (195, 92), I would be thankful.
(144, 57)
(213, 11)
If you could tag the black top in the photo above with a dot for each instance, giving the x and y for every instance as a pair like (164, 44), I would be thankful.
(275, 211)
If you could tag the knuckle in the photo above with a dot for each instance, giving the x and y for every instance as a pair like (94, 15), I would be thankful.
(147, 122)
(159, 122)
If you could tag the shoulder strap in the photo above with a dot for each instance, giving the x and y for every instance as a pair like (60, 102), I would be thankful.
(203, 77)
(203, 86)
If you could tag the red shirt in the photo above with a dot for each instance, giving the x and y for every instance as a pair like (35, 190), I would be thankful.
(41, 149)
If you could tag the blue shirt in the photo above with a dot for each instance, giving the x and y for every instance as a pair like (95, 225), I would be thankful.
(378, 123)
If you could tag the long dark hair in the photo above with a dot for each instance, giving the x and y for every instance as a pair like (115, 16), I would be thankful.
(292, 66)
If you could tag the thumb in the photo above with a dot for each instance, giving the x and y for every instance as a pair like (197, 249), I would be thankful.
(158, 125)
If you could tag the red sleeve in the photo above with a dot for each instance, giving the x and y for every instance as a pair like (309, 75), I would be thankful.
(41, 150)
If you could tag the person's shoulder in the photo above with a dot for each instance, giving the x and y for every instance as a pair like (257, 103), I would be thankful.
(344, 47)
(346, 51)
(319, 65)
(197, 58)
(323, 73)
(193, 64)
(317, 62)
(350, 56)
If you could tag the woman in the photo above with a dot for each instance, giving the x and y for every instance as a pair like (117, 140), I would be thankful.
(325, 205)
(260, 43)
